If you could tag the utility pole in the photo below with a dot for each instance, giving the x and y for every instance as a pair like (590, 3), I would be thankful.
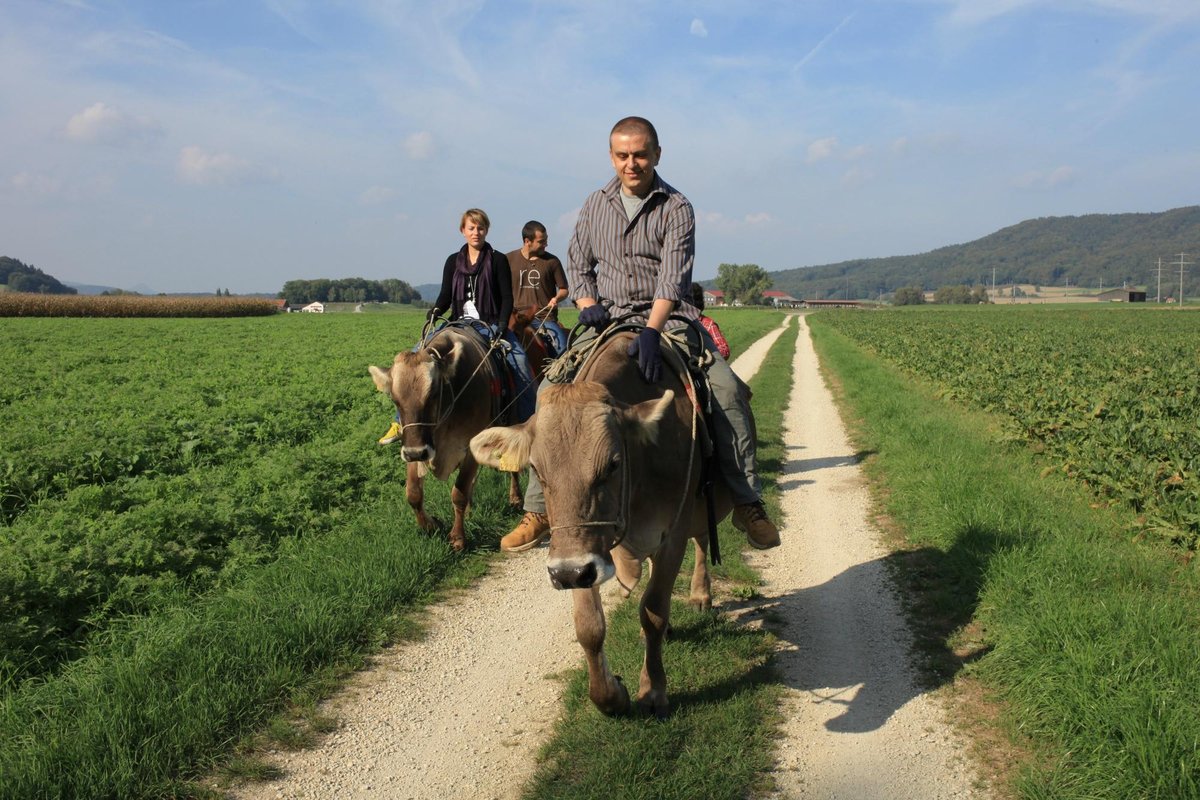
(1182, 263)
(1159, 298)
(993, 283)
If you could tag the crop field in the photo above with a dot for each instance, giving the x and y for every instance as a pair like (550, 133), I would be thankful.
(1110, 396)
(22, 304)
(152, 471)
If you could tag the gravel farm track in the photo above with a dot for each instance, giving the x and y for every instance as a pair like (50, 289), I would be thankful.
(462, 712)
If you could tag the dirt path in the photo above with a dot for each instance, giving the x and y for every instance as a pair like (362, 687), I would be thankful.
(857, 725)
(461, 713)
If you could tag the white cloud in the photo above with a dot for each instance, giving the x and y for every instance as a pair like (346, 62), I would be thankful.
(720, 223)
(566, 222)
(197, 166)
(376, 195)
(698, 28)
(102, 124)
(935, 144)
(1036, 179)
(976, 12)
(857, 176)
(822, 149)
(34, 183)
(419, 146)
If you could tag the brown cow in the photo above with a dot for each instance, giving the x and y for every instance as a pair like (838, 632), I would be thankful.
(623, 487)
(443, 393)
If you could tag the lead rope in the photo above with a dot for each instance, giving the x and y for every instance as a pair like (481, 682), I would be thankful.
(436, 356)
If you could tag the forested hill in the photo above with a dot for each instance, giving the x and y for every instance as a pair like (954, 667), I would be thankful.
(18, 277)
(1091, 250)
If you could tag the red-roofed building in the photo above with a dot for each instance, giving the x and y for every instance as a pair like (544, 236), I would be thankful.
(714, 297)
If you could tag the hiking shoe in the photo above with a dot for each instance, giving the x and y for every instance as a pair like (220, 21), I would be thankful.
(392, 435)
(531, 531)
(752, 519)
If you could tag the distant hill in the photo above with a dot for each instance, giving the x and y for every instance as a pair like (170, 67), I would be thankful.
(1088, 250)
(18, 277)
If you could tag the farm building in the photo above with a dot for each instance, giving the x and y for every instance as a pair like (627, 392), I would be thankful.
(1122, 296)
(832, 303)
(781, 299)
(314, 308)
(714, 297)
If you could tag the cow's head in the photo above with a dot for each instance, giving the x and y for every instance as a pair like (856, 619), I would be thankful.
(420, 384)
(581, 443)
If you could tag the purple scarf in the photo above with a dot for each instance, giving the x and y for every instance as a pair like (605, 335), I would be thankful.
(487, 299)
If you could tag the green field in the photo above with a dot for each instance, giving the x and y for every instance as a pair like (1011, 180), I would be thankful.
(196, 526)
(1111, 396)
(1025, 588)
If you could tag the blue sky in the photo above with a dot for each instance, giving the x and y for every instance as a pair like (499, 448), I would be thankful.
(167, 145)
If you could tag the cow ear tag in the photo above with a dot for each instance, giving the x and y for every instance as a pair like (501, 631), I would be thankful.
(508, 463)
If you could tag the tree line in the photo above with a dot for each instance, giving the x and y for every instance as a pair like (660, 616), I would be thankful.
(20, 277)
(348, 290)
(743, 283)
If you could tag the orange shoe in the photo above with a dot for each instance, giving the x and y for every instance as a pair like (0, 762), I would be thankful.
(752, 519)
(531, 531)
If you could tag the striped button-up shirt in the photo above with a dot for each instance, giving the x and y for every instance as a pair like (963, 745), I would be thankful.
(627, 264)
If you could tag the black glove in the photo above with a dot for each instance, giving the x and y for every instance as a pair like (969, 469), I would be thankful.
(595, 316)
(648, 350)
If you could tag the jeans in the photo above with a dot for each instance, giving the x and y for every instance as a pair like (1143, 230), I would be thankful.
(734, 434)
(556, 332)
(518, 364)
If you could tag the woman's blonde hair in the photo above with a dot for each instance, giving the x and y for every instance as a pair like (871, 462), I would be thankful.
(476, 215)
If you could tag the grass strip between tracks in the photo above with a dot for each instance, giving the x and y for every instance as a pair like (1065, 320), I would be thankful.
(1089, 640)
(724, 692)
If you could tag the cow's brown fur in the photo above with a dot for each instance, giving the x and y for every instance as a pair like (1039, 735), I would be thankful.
(606, 429)
(444, 384)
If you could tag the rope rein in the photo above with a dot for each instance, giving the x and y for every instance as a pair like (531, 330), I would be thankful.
(496, 343)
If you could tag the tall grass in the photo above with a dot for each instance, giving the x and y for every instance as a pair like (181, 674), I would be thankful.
(1090, 640)
(162, 697)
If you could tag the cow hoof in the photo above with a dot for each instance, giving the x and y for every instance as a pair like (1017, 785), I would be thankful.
(617, 702)
(659, 708)
(458, 543)
(701, 603)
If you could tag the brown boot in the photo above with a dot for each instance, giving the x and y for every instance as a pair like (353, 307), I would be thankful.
(753, 520)
(530, 532)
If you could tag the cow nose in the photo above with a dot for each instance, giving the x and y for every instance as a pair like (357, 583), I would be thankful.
(421, 453)
(573, 577)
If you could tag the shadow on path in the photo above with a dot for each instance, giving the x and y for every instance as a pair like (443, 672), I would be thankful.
(839, 640)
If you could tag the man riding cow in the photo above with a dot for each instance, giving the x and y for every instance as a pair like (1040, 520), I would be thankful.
(631, 254)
